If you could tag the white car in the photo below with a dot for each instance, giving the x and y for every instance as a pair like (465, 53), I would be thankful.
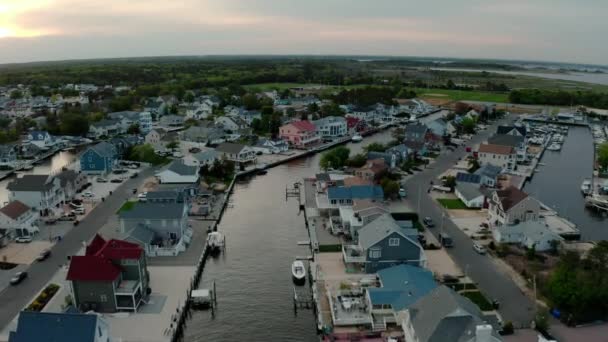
(479, 248)
(23, 239)
(142, 197)
(88, 194)
(79, 211)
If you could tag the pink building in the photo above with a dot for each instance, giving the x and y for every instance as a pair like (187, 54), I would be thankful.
(300, 134)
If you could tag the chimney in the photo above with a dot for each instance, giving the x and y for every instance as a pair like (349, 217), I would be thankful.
(483, 333)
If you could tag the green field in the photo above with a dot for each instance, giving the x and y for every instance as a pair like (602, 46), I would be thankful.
(478, 298)
(462, 95)
(128, 205)
(282, 86)
(449, 203)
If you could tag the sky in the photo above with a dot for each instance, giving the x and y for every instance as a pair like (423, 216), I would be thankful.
(548, 30)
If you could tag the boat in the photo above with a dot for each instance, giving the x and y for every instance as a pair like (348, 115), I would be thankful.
(357, 138)
(298, 271)
(201, 298)
(586, 187)
(215, 241)
(554, 147)
(261, 172)
(28, 167)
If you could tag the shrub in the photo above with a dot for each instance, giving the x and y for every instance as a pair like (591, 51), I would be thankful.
(507, 329)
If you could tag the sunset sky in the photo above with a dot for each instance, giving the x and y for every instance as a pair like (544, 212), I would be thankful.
(554, 30)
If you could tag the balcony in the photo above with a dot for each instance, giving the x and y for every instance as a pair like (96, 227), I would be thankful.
(350, 308)
(353, 254)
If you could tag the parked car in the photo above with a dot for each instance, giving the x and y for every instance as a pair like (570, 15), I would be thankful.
(79, 211)
(134, 175)
(77, 201)
(68, 217)
(116, 180)
(428, 222)
(133, 166)
(445, 240)
(44, 255)
(23, 239)
(88, 194)
(18, 278)
(101, 180)
(50, 220)
(76, 206)
(142, 197)
(119, 171)
(402, 193)
(479, 248)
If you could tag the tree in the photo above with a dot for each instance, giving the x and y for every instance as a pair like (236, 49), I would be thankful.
(450, 84)
(190, 122)
(357, 160)
(602, 156)
(133, 129)
(312, 108)
(145, 153)
(96, 116)
(73, 123)
(375, 147)
(121, 103)
(468, 125)
(450, 182)
(473, 165)
(390, 187)
(251, 102)
(331, 109)
(16, 94)
(189, 97)
(172, 145)
(334, 158)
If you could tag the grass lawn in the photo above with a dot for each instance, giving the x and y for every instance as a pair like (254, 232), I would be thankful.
(450, 203)
(127, 206)
(477, 298)
(282, 86)
(457, 95)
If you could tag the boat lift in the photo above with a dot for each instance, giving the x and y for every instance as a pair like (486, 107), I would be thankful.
(205, 298)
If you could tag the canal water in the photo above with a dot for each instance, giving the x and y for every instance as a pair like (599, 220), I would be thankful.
(253, 275)
(558, 183)
(49, 165)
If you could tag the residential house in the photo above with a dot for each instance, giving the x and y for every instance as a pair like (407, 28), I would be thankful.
(416, 138)
(71, 182)
(167, 222)
(42, 139)
(39, 192)
(155, 107)
(417, 107)
(361, 213)
(124, 142)
(444, 315)
(331, 127)
(55, 326)
(99, 159)
(199, 159)
(497, 155)
(178, 172)
(517, 142)
(372, 170)
(488, 175)
(383, 243)
(438, 127)
(8, 155)
(246, 115)
(470, 178)
(231, 123)
(342, 195)
(155, 136)
(18, 219)
(301, 134)
(105, 128)
(238, 153)
(268, 146)
(172, 121)
(511, 206)
(129, 118)
(529, 234)
(354, 125)
(470, 194)
(112, 276)
(400, 287)
(166, 196)
(205, 135)
(517, 130)
(200, 110)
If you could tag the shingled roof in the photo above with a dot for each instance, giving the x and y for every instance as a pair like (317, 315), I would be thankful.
(495, 149)
(15, 209)
(510, 197)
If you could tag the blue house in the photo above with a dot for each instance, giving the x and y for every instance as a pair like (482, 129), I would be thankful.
(384, 243)
(99, 159)
(65, 327)
(400, 287)
(342, 195)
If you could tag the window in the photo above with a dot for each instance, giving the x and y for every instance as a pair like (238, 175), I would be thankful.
(393, 242)
(103, 298)
(375, 253)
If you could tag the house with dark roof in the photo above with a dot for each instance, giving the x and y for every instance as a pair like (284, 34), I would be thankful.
(42, 139)
(39, 192)
(8, 155)
(105, 128)
(444, 315)
(465, 177)
(18, 219)
(384, 243)
(71, 181)
(206, 157)
(64, 327)
(205, 135)
(238, 153)
(416, 138)
(343, 195)
(166, 220)
(488, 175)
(372, 170)
(518, 130)
(511, 206)
(99, 159)
(470, 194)
(111, 276)
(178, 173)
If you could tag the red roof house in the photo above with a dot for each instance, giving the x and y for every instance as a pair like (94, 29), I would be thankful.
(300, 134)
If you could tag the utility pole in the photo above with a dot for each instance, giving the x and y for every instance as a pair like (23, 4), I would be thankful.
(442, 220)
(419, 194)
(534, 286)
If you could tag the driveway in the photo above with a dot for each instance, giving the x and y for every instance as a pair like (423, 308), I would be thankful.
(14, 298)
(514, 305)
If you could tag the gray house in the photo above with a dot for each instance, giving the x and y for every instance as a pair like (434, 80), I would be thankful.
(384, 243)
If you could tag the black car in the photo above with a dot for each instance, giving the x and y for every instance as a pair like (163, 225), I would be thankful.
(18, 278)
(428, 222)
(134, 175)
(116, 180)
(44, 255)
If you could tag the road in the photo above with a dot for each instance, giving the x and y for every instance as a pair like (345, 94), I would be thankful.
(14, 298)
(514, 305)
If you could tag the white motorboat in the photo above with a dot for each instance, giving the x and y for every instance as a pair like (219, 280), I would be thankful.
(215, 241)
(554, 147)
(357, 138)
(298, 271)
(586, 187)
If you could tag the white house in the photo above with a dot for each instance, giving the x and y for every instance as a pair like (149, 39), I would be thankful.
(511, 206)
(178, 172)
(199, 159)
(129, 118)
(237, 153)
(268, 146)
(39, 192)
(200, 110)
(19, 219)
(530, 234)
(155, 136)
(42, 139)
(470, 195)
(231, 123)
(106, 128)
(331, 127)
(497, 155)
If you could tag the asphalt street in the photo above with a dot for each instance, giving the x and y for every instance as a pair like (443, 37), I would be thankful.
(14, 298)
(514, 305)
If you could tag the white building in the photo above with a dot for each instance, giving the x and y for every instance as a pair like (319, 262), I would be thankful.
(39, 192)
(497, 155)
(530, 234)
(19, 219)
(178, 173)
(331, 127)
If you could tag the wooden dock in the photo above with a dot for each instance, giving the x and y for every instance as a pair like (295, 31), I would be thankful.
(302, 299)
